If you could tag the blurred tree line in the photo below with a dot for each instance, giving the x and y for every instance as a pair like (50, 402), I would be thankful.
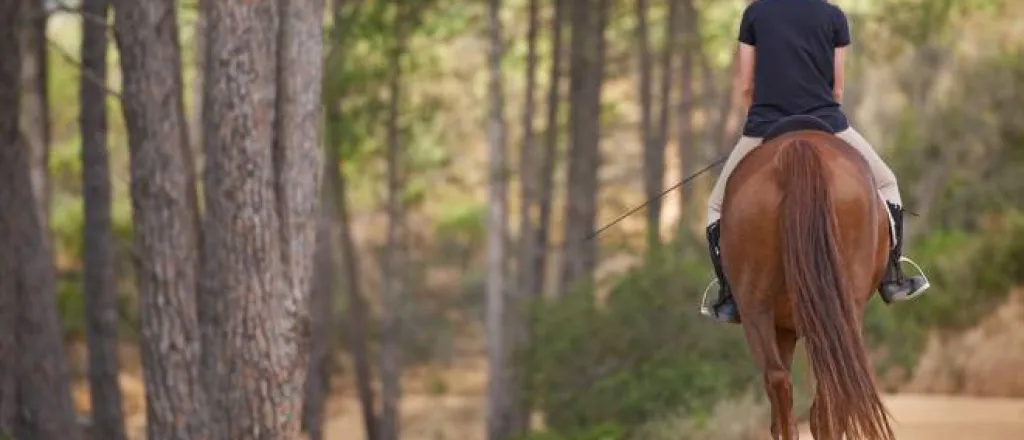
(277, 202)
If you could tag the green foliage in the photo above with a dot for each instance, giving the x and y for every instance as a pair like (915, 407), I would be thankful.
(643, 352)
(970, 274)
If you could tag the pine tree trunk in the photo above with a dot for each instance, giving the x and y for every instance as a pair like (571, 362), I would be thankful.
(35, 401)
(586, 74)
(261, 125)
(686, 144)
(356, 333)
(298, 162)
(393, 267)
(35, 108)
(652, 172)
(321, 312)
(498, 403)
(165, 216)
(98, 251)
(519, 317)
(547, 162)
(10, 91)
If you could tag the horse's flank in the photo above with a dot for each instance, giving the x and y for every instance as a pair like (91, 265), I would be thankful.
(803, 245)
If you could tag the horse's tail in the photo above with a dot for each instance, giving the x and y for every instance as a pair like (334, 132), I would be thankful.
(825, 314)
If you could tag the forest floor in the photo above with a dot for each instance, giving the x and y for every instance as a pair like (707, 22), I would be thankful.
(966, 386)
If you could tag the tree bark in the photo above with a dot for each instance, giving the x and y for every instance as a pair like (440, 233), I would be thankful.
(686, 144)
(652, 172)
(356, 326)
(98, 251)
(35, 398)
(298, 161)
(393, 270)
(519, 317)
(357, 334)
(586, 74)
(10, 91)
(498, 402)
(547, 162)
(165, 216)
(657, 160)
(261, 125)
(321, 312)
(35, 108)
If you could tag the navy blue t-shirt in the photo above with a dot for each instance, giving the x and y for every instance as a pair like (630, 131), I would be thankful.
(794, 72)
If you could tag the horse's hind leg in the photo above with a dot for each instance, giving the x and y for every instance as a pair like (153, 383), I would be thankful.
(768, 353)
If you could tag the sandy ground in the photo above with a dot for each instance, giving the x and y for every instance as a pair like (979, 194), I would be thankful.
(917, 417)
(931, 417)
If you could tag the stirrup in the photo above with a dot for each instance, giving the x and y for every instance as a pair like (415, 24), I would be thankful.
(704, 309)
(920, 272)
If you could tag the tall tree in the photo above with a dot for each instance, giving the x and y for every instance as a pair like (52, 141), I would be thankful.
(546, 177)
(393, 273)
(98, 249)
(321, 310)
(586, 74)
(10, 84)
(358, 311)
(35, 399)
(648, 138)
(528, 290)
(35, 108)
(261, 139)
(165, 217)
(686, 144)
(356, 326)
(498, 404)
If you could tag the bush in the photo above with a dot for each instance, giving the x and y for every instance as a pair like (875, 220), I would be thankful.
(643, 352)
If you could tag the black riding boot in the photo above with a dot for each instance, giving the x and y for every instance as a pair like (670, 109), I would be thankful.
(895, 286)
(724, 308)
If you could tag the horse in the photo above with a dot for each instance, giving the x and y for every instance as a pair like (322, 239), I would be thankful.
(805, 240)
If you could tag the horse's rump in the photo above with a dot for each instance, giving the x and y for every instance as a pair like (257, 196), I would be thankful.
(802, 248)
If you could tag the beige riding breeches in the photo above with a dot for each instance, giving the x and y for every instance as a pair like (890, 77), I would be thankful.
(884, 176)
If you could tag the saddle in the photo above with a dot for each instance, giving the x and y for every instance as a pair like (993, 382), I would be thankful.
(793, 123)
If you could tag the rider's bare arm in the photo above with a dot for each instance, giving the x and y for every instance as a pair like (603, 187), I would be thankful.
(840, 74)
(748, 56)
(841, 41)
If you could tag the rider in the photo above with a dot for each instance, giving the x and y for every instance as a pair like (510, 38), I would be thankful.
(801, 46)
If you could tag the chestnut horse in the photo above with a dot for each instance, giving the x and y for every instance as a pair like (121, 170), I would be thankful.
(805, 238)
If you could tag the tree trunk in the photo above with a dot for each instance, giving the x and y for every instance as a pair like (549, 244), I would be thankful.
(10, 91)
(653, 174)
(393, 270)
(686, 143)
(261, 125)
(498, 398)
(357, 334)
(547, 162)
(298, 162)
(586, 74)
(321, 312)
(665, 100)
(35, 108)
(35, 401)
(165, 217)
(98, 251)
(519, 316)
(356, 328)
(306, 213)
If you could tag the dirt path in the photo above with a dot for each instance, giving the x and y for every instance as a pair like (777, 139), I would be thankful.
(918, 417)
(928, 417)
